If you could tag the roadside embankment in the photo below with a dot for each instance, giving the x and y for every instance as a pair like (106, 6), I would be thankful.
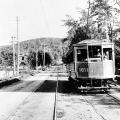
(8, 81)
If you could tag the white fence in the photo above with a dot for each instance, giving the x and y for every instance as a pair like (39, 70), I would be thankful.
(6, 74)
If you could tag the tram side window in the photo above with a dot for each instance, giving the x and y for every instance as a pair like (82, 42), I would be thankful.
(107, 53)
(95, 52)
(81, 55)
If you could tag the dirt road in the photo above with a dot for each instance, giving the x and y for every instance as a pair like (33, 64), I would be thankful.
(31, 98)
(49, 96)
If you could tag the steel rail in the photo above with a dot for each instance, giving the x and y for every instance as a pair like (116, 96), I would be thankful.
(55, 103)
(94, 108)
(114, 98)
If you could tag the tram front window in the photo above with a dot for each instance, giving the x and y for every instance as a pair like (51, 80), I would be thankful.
(81, 55)
(95, 53)
(107, 53)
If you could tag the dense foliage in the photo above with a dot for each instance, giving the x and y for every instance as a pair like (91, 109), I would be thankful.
(96, 22)
(40, 61)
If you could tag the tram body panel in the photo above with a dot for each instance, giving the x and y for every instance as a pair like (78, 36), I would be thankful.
(95, 70)
(108, 69)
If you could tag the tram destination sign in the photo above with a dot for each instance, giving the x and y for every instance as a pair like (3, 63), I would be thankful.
(82, 70)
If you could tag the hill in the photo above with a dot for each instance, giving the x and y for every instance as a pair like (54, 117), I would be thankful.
(53, 46)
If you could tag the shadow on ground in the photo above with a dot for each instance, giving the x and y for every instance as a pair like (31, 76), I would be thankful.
(47, 86)
(50, 86)
(95, 97)
(64, 87)
(8, 82)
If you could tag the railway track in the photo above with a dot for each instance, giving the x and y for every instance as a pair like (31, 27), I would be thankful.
(55, 104)
(101, 116)
(79, 106)
(111, 100)
(56, 114)
(114, 98)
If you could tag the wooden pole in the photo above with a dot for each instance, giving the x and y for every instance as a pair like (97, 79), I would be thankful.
(44, 56)
(13, 55)
(18, 49)
(36, 59)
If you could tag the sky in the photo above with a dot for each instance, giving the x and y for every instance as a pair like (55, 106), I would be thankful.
(36, 18)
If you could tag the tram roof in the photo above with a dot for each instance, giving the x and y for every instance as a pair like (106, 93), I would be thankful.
(93, 42)
(90, 42)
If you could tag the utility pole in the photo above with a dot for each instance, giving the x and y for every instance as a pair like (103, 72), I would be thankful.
(14, 70)
(18, 48)
(36, 59)
(88, 15)
(37, 50)
(44, 56)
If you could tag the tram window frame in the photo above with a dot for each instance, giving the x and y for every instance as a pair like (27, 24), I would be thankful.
(107, 54)
(95, 53)
(81, 57)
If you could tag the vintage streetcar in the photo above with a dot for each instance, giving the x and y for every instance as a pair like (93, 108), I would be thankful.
(91, 64)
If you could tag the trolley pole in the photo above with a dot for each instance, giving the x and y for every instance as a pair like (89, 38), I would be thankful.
(13, 55)
(18, 48)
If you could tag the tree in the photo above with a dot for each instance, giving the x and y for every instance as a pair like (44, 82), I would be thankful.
(102, 12)
(6, 58)
(40, 54)
(32, 59)
(48, 59)
(77, 31)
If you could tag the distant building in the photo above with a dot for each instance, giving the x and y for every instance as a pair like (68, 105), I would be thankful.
(23, 60)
